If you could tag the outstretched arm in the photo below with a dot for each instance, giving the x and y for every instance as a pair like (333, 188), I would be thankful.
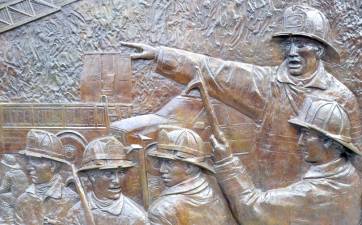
(242, 86)
(172, 63)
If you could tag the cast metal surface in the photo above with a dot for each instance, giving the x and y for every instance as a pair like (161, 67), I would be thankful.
(17, 13)
(180, 112)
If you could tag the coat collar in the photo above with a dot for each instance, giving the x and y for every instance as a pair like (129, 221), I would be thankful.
(318, 80)
(338, 167)
(54, 190)
(189, 186)
(113, 207)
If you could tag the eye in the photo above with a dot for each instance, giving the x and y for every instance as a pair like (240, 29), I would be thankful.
(304, 131)
(108, 174)
(300, 45)
(170, 162)
(285, 45)
(287, 41)
(122, 171)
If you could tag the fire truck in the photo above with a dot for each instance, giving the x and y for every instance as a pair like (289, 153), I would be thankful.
(105, 97)
(80, 122)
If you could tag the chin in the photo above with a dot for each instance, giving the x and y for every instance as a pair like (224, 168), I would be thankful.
(311, 161)
(35, 181)
(295, 72)
(166, 183)
(114, 196)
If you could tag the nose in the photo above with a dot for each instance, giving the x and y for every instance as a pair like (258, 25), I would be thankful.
(116, 178)
(163, 168)
(29, 168)
(301, 140)
(293, 49)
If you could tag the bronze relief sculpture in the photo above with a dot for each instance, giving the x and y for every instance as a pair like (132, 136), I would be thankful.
(242, 144)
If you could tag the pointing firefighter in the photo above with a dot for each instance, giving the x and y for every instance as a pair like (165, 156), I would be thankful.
(270, 95)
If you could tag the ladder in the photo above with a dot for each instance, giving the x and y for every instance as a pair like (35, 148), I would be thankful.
(15, 13)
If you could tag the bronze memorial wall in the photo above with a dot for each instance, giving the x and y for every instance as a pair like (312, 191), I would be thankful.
(180, 112)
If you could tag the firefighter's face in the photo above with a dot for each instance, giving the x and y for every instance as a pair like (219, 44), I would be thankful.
(70, 152)
(311, 145)
(40, 170)
(173, 171)
(302, 55)
(107, 184)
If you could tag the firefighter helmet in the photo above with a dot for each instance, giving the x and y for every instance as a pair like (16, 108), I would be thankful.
(10, 161)
(305, 21)
(43, 144)
(328, 118)
(182, 144)
(105, 153)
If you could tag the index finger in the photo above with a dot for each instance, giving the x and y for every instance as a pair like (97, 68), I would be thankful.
(132, 44)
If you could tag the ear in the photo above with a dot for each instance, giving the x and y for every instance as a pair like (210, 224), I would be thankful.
(191, 169)
(53, 166)
(320, 51)
(327, 142)
(90, 176)
(188, 168)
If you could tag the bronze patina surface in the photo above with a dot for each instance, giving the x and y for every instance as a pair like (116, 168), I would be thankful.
(180, 112)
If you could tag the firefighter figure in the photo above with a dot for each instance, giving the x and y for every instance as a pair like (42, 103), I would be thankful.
(13, 184)
(269, 95)
(47, 200)
(329, 192)
(189, 197)
(105, 164)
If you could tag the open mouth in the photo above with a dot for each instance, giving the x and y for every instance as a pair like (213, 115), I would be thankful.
(305, 152)
(165, 178)
(115, 190)
(294, 63)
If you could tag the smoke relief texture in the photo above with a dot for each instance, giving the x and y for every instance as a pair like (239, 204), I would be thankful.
(42, 60)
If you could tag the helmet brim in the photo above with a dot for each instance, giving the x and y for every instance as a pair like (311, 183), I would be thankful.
(336, 138)
(153, 152)
(40, 155)
(16, 166)
(105, 166)
(331, 54)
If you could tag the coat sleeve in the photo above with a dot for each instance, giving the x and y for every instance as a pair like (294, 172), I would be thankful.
(155, 219)
(19, 216)
(75, 215)
(242, 86)
(353, 111)
(5, 184)
(163, 212)
(252, 206)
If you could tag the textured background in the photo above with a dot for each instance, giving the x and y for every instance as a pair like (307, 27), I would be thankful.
(41, 61)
